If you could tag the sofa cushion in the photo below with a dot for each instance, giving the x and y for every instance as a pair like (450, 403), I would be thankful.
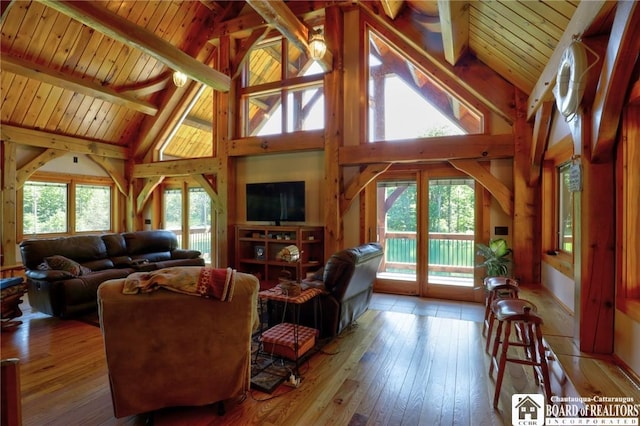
(62, 263)
(80, 248)
(115, 244)
(142, 242)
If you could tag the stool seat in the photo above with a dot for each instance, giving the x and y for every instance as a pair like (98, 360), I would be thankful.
(515, 310)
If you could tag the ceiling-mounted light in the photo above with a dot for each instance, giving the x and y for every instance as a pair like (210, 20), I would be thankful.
(317, 46)
(179, 79)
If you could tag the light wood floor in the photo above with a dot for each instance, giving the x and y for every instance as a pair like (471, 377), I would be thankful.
(409, 361)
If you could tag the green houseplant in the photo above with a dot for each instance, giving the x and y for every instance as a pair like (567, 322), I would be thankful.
(496, 257)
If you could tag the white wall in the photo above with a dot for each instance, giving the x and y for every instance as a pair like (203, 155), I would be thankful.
(626, 343)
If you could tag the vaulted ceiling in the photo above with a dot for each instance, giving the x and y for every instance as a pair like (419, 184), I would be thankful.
(101, 71)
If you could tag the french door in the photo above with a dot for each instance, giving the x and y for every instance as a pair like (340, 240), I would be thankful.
(426, 224)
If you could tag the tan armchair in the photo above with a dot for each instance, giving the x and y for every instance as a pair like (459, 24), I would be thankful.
(167, 349)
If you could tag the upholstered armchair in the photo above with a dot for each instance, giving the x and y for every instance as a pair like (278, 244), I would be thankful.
(167, 349)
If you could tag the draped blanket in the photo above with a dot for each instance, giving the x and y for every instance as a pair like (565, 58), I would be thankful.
(217, 283)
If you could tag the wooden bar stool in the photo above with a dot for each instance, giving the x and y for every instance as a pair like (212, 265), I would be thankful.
(496, 288)
(521, 314)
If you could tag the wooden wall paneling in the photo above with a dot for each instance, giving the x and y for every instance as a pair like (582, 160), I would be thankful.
(525, 243)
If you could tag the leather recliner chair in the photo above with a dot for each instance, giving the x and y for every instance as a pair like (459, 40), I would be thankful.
(348, 278)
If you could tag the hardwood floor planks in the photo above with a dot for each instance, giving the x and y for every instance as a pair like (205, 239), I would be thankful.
(392, 368)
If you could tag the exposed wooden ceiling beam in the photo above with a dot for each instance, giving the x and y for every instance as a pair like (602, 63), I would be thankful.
(101, 19)
(586, 13)
(454, 26)
(615, 77)
(51, 140)
(502, 194)
(278, 15)
(75, 84)
(392, 7)
(444, 148)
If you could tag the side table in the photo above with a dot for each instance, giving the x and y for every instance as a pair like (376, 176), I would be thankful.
(290, 340)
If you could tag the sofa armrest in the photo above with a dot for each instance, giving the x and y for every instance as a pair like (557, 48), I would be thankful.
(185, 254)
(48, 275)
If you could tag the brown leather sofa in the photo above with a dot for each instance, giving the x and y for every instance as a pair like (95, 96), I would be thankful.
(68, 292)
(348, 278)
(167, 349)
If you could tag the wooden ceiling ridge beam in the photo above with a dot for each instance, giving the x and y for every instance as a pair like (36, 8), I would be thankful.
(75, 84)
(101, 19)
(42, 139)
(586, 14)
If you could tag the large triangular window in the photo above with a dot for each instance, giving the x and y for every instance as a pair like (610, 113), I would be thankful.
(405, 102)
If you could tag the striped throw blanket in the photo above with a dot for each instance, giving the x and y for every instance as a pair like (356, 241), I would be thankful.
(216, 283)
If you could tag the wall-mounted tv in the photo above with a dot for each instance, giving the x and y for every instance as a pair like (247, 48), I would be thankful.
(276, 202)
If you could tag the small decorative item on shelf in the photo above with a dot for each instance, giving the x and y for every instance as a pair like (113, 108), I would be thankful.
(289, 254)
(259, 252)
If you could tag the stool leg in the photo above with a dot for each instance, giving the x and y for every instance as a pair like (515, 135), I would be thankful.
(503, 362)
(492, 319)
(544, 367)
(487, 312)
(494, 351)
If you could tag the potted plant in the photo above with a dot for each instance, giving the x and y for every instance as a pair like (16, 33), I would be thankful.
(496, 257)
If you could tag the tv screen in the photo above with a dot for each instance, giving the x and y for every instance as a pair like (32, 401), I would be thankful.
(276, 202)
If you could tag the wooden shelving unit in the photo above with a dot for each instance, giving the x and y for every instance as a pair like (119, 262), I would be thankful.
(257, 247)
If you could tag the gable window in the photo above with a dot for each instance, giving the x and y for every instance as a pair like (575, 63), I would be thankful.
(66, 206)
(283, 90)
(406, 103)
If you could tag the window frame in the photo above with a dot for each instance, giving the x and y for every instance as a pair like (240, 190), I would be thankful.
(555, 157)
(71, 181)
(283, 87)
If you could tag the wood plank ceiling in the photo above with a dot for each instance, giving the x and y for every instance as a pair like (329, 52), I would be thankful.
(62, 77)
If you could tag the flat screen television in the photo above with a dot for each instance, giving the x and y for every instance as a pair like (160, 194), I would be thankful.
(276, 202)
